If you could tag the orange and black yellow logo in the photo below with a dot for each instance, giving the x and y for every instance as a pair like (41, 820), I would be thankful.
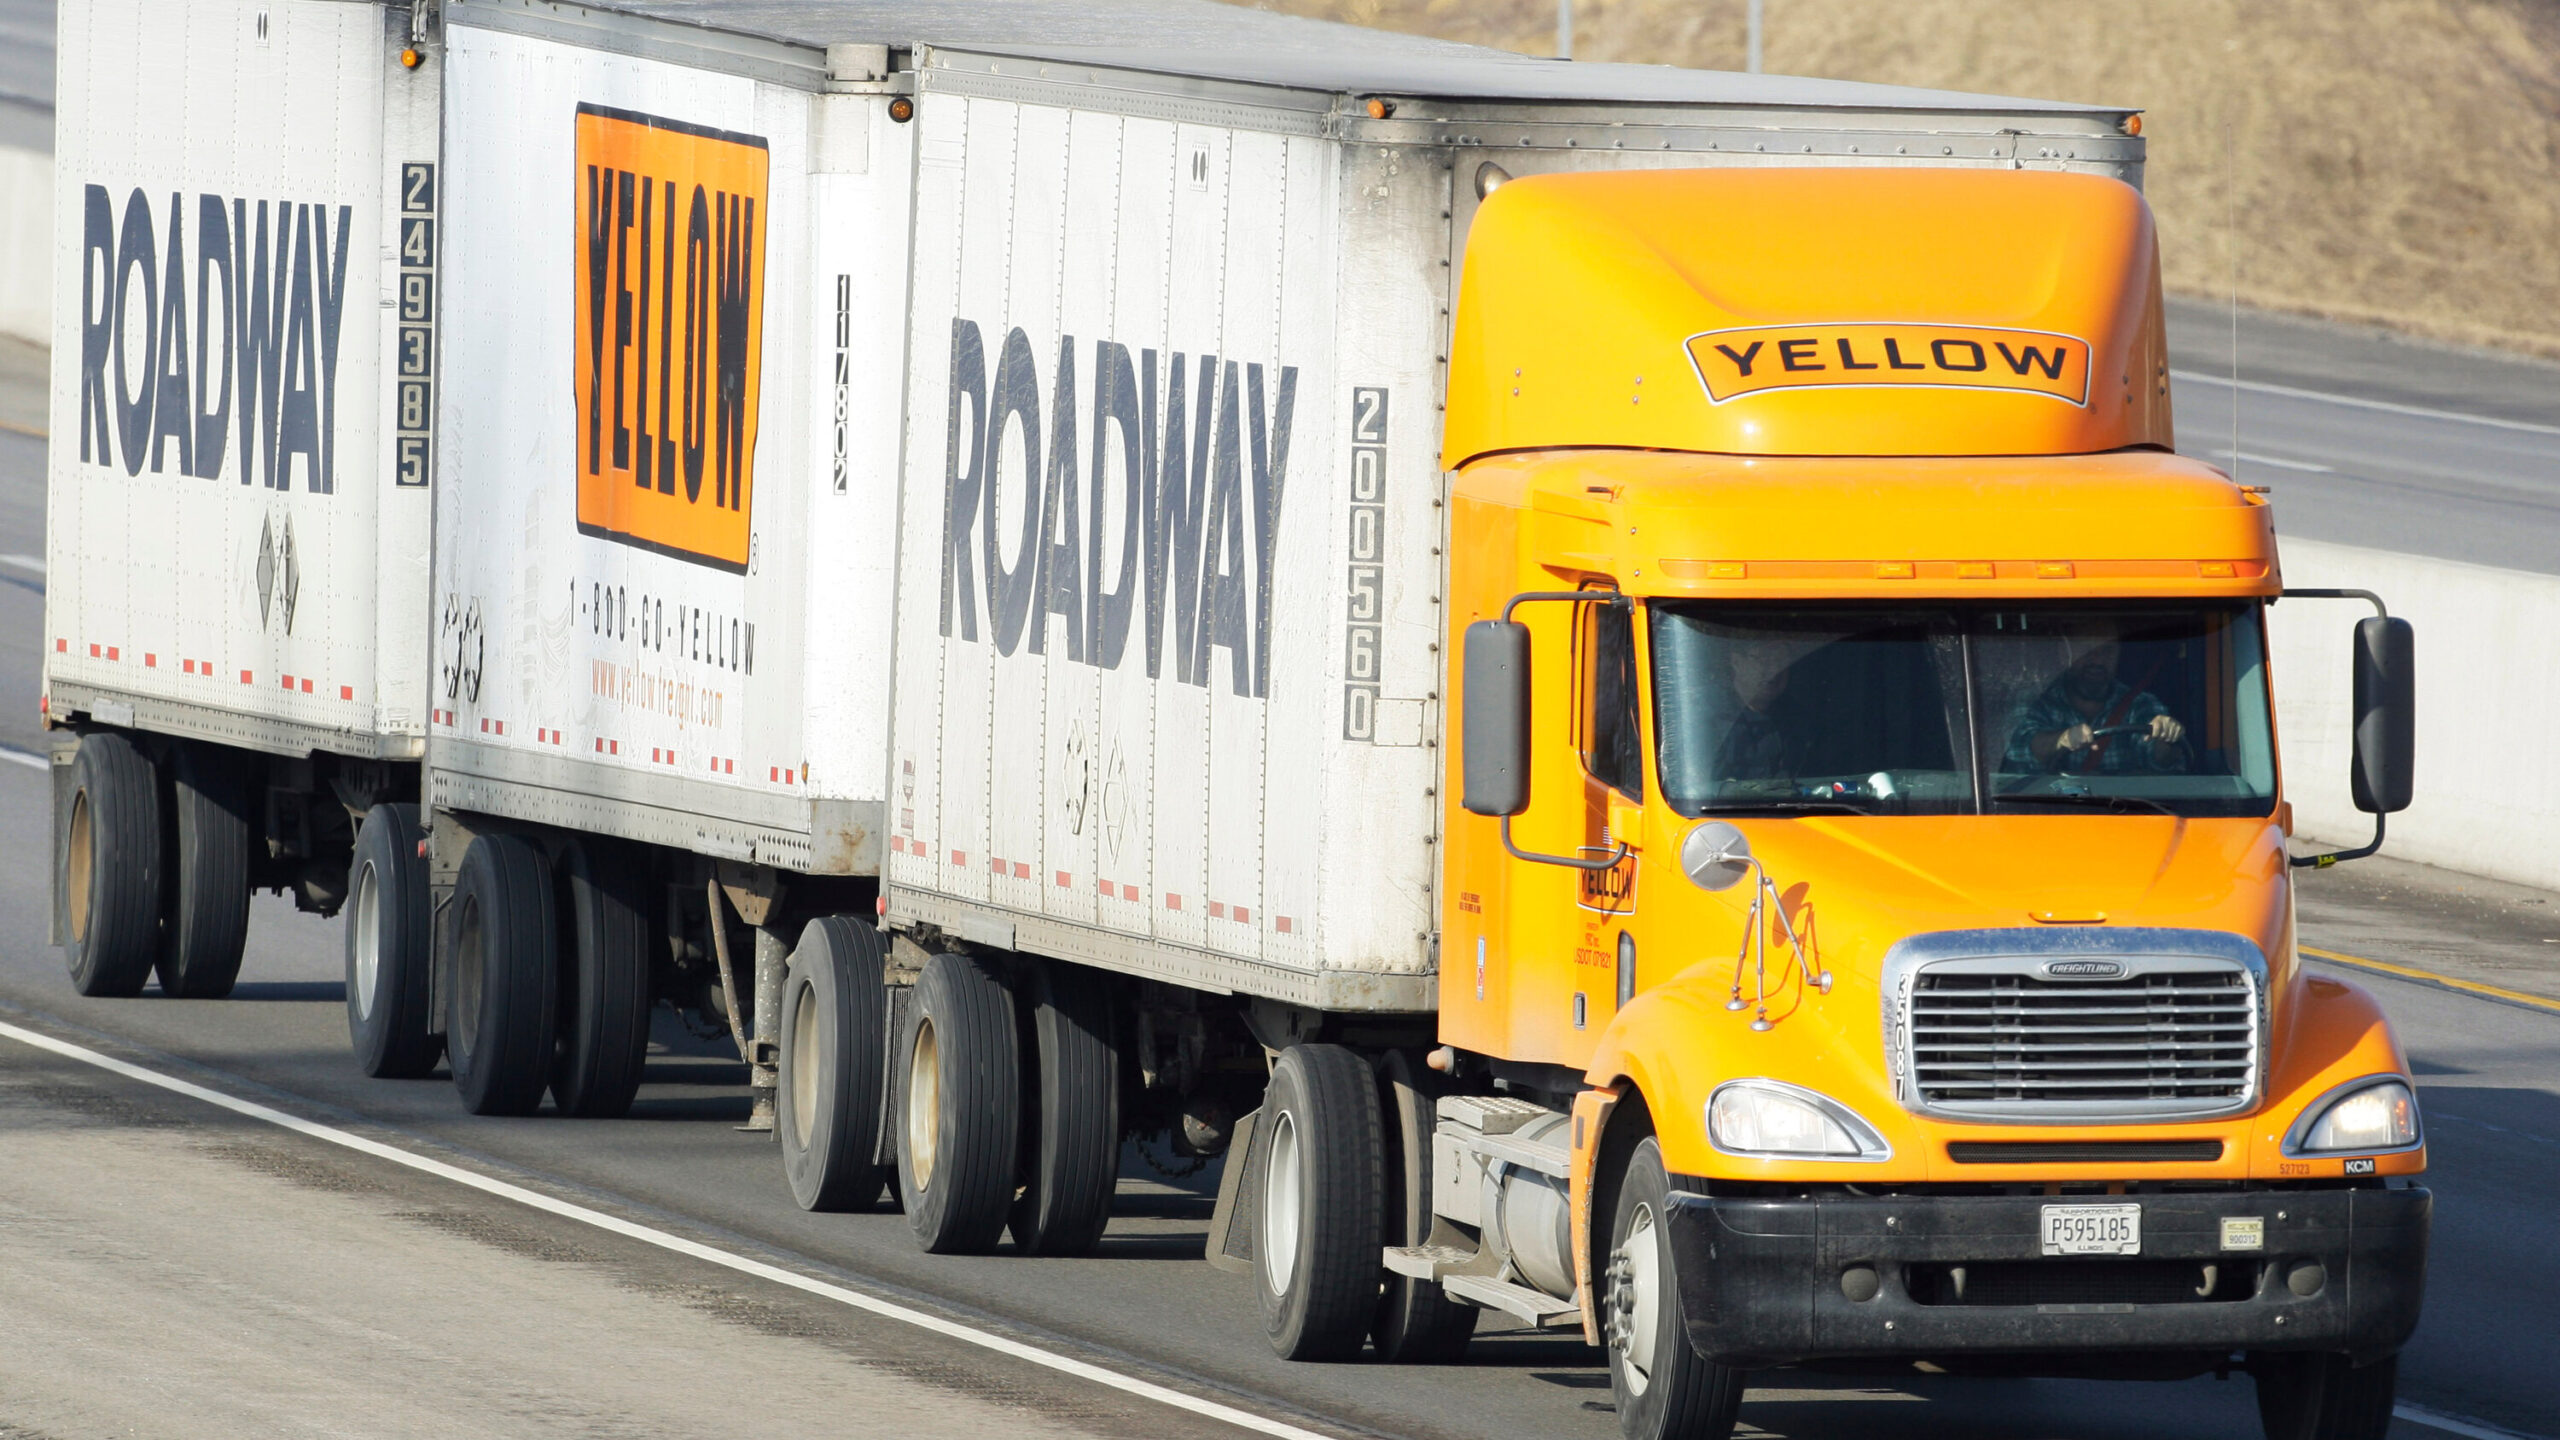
(670, 314)
(1735, 363)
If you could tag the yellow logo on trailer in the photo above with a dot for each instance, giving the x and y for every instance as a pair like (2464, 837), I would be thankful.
(670, 317)
(1734, 363)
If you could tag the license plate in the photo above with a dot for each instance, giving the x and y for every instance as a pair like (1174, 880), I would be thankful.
(2093, 1229)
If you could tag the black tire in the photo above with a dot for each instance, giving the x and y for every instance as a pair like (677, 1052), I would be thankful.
(1417, 1323)
(389, 955)
(1669, 1391)
(206, 927)
(603, 1004)
(961, 1090)
(113, 866)
(1319, 1255)
(1070, 1143)
(834, 1065)
(2324, 1397)
(504, 938)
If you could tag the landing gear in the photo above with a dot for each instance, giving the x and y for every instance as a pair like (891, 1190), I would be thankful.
(505, 984)
(1323, 1191)
(833, 1065)
(1664, 1389)
(2324, 1397)
(388, 949)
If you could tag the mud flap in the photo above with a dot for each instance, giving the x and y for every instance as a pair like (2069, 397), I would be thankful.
(65, 748)
(1236, 1220)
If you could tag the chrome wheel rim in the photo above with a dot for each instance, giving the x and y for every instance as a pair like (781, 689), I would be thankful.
(1635, 1300)
(368, 939)
(1280, 1205)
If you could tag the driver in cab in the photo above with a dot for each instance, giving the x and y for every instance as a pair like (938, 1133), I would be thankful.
(2090, 722)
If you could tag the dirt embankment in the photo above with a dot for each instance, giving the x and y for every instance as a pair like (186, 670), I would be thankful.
(2392, 161)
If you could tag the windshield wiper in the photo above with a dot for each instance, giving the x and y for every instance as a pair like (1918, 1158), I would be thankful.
(1783, 807)
(2087, 799)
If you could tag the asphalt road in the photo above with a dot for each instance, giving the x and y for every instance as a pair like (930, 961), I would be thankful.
(163, 1296)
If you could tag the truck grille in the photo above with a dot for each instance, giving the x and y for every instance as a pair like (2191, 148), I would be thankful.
(1995, 1037)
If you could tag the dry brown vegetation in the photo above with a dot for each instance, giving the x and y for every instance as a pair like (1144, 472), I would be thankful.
(2393, 161)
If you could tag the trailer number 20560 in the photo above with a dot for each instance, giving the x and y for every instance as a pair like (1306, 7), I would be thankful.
(2093, 1229)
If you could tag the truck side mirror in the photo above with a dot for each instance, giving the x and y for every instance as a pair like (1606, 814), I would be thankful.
(2386, 716)
(1496, 734)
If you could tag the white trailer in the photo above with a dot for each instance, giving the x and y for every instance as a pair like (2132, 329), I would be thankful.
(247, 213)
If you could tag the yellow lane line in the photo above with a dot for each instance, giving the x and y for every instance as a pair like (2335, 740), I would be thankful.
(2412, 972)
(14, 428)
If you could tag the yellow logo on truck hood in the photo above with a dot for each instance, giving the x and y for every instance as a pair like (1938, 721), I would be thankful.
(670, 316)
(1747, 361)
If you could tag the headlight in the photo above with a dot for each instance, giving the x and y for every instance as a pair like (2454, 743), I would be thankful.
(1770, 1118)
(2362, 1116)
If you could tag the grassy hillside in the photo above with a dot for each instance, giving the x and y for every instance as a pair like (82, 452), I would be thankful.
(2394, 161)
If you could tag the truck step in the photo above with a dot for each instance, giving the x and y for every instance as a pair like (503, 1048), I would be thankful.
(1535, 1306)
(1427, 1262)
(1491, 1114)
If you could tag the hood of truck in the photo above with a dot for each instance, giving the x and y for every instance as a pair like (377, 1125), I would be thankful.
(1846, 311)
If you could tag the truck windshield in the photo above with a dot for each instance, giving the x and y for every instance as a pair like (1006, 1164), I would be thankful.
(2129, 708)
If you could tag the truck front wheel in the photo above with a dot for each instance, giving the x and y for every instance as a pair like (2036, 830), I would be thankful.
(1664, 1389)
(2324, 1397)
(1319, 1250)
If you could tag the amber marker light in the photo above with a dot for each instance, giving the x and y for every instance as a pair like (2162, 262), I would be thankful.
(2133, 124)
(1380, 109)
(2216, 569)
(2053, 569)
(902, 109)
(409, 57)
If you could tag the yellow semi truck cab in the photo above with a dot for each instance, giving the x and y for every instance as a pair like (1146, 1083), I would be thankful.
(1871, 816)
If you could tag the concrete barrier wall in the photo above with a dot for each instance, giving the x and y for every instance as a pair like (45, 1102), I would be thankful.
(26, 227)
(2488, 653)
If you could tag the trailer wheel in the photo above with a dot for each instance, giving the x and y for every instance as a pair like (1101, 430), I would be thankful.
(1417, 1323)
(1319, 1252)
(603, 1004)
(961, 1095)
(207, 925)
(1070, 1161)
(834, 1065)
(1664, 1389)
(2324, 1397)
(388, 949)
(504, 986)
(112, 866)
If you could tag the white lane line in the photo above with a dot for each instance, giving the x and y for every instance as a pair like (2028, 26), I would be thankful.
(2456, 1425)
(2251, 457)
(24, 757)
(2358, 402)
(967, 1334)
(23, 562)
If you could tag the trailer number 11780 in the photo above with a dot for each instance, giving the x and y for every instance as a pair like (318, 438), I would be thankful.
(2093, 1229)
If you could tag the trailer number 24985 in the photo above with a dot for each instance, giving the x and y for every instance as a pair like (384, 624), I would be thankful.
(2093, 1229)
